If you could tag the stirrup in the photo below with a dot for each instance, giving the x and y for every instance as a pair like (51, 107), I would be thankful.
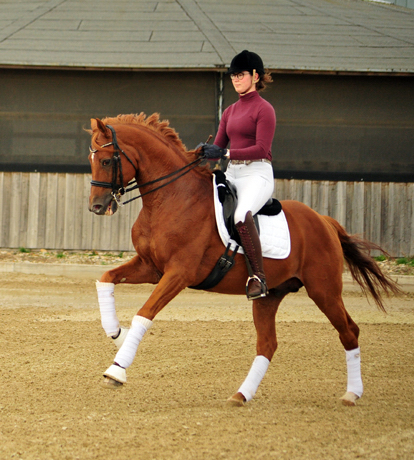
(263, 287)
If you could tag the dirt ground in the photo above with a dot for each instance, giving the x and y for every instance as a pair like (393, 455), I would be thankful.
(53, 352)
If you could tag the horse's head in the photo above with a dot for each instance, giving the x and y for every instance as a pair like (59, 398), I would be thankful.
(147, 143)
(110, 172)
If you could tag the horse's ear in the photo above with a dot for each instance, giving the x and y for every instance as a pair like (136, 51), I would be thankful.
(98, 125)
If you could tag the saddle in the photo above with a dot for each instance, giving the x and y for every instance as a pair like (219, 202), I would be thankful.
(227, 194)
(228, 197)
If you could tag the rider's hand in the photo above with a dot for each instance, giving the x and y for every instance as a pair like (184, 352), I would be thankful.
(213, 151)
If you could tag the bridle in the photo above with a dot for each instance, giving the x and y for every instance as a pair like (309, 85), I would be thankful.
(118, 189)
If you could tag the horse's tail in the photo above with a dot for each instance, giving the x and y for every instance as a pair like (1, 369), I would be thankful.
(364, 270)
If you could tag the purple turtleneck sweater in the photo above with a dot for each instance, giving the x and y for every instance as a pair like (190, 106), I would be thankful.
(249, 125)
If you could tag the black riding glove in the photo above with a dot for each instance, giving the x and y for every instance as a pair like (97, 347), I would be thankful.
(213, 151)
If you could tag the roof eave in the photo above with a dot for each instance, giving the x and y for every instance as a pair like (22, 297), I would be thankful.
(203, 68)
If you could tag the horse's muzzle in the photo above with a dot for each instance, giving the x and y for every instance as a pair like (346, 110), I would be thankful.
(103, 205)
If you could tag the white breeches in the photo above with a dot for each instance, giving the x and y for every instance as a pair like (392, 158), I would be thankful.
(254, 183)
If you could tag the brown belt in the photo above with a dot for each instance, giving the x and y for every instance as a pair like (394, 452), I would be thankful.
(247, 162)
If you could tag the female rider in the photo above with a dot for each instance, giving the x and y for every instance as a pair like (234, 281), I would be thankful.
(249, 125)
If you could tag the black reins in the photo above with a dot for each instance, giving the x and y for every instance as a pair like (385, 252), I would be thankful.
(118, 189)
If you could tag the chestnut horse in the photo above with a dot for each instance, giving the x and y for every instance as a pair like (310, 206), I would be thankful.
(177, 244)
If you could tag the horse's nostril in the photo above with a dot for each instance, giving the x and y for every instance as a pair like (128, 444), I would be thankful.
(96, 208)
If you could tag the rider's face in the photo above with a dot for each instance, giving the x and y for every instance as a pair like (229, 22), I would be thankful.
(243, 82)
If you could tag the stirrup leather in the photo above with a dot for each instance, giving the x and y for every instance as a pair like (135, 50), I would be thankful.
(263, 287)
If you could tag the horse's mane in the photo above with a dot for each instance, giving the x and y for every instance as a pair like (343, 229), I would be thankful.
(161, 127)
(152, 122)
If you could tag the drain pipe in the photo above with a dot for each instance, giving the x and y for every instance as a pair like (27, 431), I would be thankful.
(220, 98)
(219, 112)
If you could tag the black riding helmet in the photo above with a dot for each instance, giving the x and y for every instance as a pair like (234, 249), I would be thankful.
(246, 60)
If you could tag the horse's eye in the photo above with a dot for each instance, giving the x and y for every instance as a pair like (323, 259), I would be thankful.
(106, 162)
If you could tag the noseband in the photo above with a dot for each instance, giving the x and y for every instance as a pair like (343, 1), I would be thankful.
(118, 189)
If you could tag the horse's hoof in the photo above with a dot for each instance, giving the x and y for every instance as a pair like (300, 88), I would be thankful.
(236, 400)
(116, 373)
(111, 383)
(349, 399)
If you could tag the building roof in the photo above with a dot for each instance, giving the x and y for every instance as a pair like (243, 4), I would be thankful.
(290, 35)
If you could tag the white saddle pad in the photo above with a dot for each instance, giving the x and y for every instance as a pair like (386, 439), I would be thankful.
(274, 231)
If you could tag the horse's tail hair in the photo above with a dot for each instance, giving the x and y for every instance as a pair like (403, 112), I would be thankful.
(364, 269)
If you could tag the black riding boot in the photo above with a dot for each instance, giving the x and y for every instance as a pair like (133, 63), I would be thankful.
(256, 284)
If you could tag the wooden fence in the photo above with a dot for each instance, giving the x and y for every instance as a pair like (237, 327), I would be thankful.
(50, 211)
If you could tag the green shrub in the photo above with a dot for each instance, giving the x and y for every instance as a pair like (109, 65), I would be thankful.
(405, 261)
(402, 261)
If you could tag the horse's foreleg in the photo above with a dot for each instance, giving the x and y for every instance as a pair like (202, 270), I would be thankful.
(264, 313)
(169, 286)
(133, 271)
(106, 301)
(127, 351)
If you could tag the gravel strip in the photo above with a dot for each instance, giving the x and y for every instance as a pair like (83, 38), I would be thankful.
(65, 257)
(388, 266)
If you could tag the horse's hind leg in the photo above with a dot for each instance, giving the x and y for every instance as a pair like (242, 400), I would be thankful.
(264, 315)
(330, 302)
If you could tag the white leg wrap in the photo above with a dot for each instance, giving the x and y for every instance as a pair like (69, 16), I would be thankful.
(106, 300)
(353, 364)
(126, 353)
(254, 377)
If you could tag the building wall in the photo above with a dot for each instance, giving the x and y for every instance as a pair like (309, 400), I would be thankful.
(342, 127)
(43, 113)
(404, 3)
(329, 127)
